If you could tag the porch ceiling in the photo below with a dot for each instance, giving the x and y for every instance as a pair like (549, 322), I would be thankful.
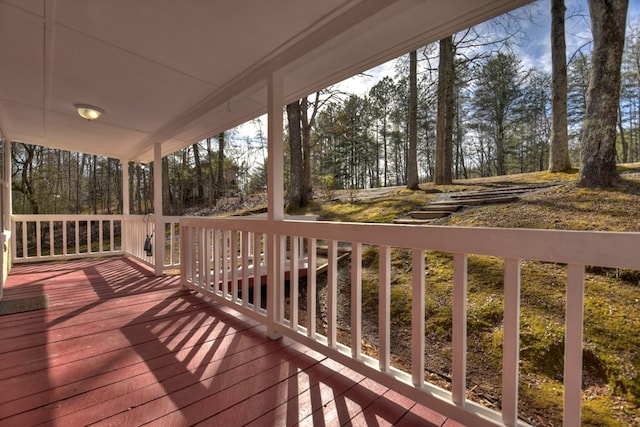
(175, 72)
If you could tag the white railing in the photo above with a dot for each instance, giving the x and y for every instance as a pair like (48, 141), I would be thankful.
(51, 237)
(140, 227)
(216, 253)
(56, 237)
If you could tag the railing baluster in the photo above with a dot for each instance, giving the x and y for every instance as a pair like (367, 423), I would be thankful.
(257, 270)
(206, 258)
(25, 242)
(233, 261)
(511, 343)
(293, 282)
(175, 244)
(186, 271)
(38, 238)
(65, 242)
(89, 250)
(217, 258)
(573, 345)
(459, 338)
(384, 309)
(194, 254)
(112, 233)
(332, 292)
(202, 266)
(279, 288)
(38, 225)
(245, 267)
(225, 263)
(13, 241)
(77, 231)
(51, 239)
(356, 300)
(100, 236)
(311, 288)
(417, 317)
(168, 253)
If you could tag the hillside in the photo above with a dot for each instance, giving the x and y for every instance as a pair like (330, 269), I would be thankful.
(612, 313)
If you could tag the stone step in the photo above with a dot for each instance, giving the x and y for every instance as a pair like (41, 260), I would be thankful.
(446, 204)
(489, 200)
(476, 195)
(411, 221)
(441, 207)
(504, 191)
(429, 214)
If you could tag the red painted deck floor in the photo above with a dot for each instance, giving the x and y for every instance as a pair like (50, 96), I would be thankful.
(118, 346)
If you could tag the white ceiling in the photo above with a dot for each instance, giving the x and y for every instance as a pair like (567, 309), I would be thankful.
(174, 72)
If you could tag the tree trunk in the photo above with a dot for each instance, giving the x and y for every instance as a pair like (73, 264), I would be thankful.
(412, 157)
(220, 181)
(26, 186)
(212, 177)
(559, 160)
(170, 203)
(444, 131)
(623, 140)
(199, 196)
(79, 175)
(500, 154)
(598, 138)
(296, 197)
(93, 184)
(107, 190)
(306, 143)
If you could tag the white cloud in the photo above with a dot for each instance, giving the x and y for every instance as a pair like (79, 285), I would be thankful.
(361, 84)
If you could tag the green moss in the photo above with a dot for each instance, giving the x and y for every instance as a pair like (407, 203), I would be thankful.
(597, 412)
(376, 210)
(401, 303)
(544, 397)
(370, 257)
(611, 356)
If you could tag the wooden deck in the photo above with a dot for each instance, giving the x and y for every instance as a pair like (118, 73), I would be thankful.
(118, 346)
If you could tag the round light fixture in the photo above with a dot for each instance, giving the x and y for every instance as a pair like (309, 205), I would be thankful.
(89, 112)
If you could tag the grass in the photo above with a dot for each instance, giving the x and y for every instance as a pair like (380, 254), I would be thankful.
(612, 297)
(611, 356)
(376, 210)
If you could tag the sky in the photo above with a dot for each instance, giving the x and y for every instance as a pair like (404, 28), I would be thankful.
(534, 48)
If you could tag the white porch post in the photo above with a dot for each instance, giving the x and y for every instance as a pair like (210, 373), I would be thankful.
(275, 197)
(124, 235)
(125, 187)
(7, 208)
(158, 250)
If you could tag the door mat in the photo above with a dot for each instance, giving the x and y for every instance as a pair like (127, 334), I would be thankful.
(24, 304)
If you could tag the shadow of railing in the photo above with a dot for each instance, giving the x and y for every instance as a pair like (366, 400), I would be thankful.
(170, 357)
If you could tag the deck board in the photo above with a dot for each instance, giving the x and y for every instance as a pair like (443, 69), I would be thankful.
(118, 346)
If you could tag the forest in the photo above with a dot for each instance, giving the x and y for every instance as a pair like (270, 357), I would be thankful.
(501, 125)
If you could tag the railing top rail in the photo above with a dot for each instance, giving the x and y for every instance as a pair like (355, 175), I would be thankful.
(64, 217)
(605, 249)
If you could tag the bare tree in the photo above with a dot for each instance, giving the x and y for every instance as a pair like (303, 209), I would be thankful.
(559, 160)
(598, 138)
(412, 158)
(220, 181)
(296, 197)
(446, 104)
(199, 183)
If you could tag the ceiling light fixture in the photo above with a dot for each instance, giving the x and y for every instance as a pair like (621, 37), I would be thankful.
(89, 112)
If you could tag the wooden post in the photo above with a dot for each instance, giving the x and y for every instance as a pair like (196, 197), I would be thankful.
(275, 198)
(158, 250)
